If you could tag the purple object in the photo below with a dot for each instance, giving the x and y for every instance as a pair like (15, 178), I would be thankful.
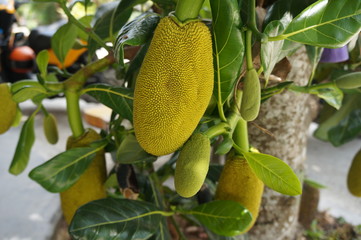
(334, 55)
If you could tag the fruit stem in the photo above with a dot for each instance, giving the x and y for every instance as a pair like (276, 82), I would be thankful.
(217, 130)
(188, 9)
(249, 59)
(240, 136)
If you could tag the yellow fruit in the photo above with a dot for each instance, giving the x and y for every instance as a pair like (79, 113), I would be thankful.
(7, 108)
(353, 177)
(239, 183)
(90, 186)
(174, 86)
(251, 98)
(192, 165)
(50, 128)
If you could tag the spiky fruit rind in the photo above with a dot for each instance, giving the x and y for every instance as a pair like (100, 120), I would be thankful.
(90, 186)
(239, 183)
(7, 108)
(354, 176)
(192, 165)
(174, 86)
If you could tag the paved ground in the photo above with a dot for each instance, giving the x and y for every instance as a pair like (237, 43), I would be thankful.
(27, 212)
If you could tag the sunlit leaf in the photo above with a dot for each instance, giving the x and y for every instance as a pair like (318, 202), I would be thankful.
(63, 40)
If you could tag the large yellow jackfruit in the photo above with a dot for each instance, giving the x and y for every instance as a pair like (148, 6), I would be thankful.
(192, 165)
(353, 177)
(90, 186)
(239, 183)
(174, 86)
(7, 108)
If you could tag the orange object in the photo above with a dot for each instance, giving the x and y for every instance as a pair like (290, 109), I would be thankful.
(22, 59)
(70, 58)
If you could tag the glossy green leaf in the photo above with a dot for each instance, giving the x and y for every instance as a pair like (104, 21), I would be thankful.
(62, 171)
(23, 148)
(42, 60)
(350, 103)
(223, 217)
(270, 51)
(117, 98)
(135, 33)
(228, 46)
(63, 40)
(275, 173)
(346, 130)
(331, 94)
(115, 219)
(130, 152)
(326, 23)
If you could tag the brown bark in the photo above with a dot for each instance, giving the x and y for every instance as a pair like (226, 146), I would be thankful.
(287, 117)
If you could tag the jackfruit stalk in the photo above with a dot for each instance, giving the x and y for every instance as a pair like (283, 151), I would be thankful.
(239, 183)
(174, 85)
(90, 186)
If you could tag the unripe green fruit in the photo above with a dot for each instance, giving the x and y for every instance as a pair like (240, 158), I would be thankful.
(51, 128)
(349, 81)
(353, 177)
(7, 108)
(192, 165)
(251, 97)
(239, 183)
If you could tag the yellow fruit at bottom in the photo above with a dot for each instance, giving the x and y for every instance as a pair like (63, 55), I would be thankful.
(7, 108)
(239, 183)
(174, 86)
(354, 176)
(90, 186)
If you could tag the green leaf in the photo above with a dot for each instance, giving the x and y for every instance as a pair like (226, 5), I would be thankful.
(28, 92)
(270, 51)
(326, 23)
(314, 184)
(314, 55)
(42, 60)
(24, 83)
(130, 152)
(117, 98)
(135, 33)
(63, 40)
(23, 148)
(346, 130)
(116, 219)
(86, 21)
(223, 217)
(62, 171)
(228, 46)
(275, 173)
(331, 94)
(225, 146)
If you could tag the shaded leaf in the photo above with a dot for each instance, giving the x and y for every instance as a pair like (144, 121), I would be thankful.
(63, 40)
(116, 219)
(326, 23)
(23, 148)
(275, 173)
(42, 60)
(130, 152)
(117, 98)
(62, 171)
(28, 92)
(223, 217)
(331, 94)
(228, 46)
(135, 33)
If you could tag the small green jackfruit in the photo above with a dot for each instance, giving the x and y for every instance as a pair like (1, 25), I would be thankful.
(349, 81)
(251, 97)
(353, 177)
(8, 108)
(239, 183)
(50, 128)
(192, 165)
(174, 86)
(90, 186)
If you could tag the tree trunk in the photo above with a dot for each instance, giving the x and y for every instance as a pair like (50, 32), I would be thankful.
(287, 117)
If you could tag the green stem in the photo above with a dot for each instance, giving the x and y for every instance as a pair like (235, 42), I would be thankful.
(188, 9)
(74, 113)
(217, 130)
(240, 136)
(249, 58)
(82, 27)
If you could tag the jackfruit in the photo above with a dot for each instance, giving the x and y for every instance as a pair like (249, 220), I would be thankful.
(174, 85)
(50, 128)
(239, 183)
(90, 186)
(251, 98)
(192, 165)
(8, 108)
(353, 177)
